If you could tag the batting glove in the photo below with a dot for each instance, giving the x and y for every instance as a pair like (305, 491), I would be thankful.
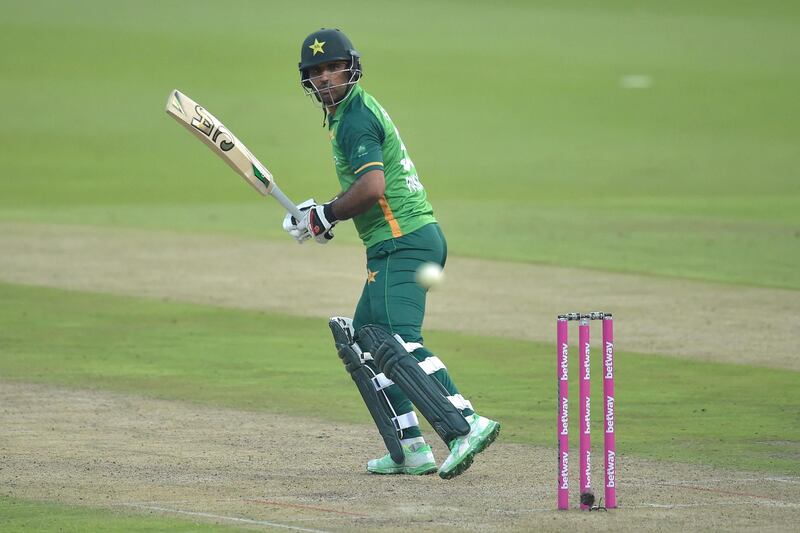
(318, 221)
(291, 225)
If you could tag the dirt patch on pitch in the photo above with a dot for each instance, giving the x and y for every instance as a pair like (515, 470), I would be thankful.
(653, 315)
(265, 470)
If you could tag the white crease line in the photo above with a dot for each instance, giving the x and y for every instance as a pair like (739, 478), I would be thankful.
(765, 503)
(622, 508)
(681, 505)
(729, 493)
(221, 517)
(645, 505)
(179, 502)
(644, 482)
(784, 480)
(733, 480)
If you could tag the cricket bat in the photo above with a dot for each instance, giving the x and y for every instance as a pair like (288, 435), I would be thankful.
(222, 142)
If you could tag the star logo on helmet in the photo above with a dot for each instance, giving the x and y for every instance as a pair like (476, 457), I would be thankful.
(317, 47)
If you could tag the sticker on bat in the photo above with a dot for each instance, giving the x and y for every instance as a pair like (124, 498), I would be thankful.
(205, 123)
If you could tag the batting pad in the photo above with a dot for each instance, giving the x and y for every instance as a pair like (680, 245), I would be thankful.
(424, 391)
(378, 405)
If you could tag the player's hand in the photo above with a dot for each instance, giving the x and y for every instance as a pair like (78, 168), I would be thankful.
(291, 225)
(317, 224)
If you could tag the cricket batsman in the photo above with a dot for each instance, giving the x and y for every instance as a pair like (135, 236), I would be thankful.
(382, 346)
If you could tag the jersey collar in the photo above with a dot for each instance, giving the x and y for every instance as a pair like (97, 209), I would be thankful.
(340, 109)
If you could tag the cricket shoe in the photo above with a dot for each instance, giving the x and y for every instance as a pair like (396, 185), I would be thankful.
(418, 461)
(482, 432)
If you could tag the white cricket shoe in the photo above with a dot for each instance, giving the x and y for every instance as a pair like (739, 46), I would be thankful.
(482, 432)
(418, 461)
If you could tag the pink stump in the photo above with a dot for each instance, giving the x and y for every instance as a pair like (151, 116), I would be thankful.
(610, 445)
(562, 426)
(584, 408)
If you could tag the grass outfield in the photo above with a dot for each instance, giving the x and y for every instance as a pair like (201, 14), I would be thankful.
(733, 416)
(32, 517)
(511, 111)
(528, 143)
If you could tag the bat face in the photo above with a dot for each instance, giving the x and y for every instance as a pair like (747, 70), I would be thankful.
(216, 136)
(206, 124)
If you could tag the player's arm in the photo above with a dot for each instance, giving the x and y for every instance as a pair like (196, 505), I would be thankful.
(359, 198)
(320, 219)
(361, 140)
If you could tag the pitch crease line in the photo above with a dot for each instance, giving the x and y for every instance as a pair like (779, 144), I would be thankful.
(222, 517)
(722, 491)
(302, 506)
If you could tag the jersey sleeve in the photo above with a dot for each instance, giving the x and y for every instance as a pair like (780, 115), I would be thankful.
(361, 139)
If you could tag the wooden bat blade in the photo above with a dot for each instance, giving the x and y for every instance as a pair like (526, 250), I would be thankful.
(220, 140)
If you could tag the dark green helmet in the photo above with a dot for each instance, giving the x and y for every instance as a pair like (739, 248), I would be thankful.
(328, 44)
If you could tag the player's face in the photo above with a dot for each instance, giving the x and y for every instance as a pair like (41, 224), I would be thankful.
(330, 80)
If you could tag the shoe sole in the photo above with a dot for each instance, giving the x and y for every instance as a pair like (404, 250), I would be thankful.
(461, 467)
(419, 471)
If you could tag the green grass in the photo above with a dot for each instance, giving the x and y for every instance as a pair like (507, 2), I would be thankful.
(513, 112)
(33, 516)
(732, 416)
(755, 252)
(528, 146)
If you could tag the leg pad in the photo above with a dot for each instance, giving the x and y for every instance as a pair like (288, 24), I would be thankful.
(424, 391)
(376, 402)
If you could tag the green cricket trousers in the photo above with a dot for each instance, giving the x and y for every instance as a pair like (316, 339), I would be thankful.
(393, 300)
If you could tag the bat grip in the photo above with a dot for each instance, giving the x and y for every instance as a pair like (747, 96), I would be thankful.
(285, 202)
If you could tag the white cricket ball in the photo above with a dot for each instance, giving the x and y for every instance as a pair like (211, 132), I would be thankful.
(430, 275)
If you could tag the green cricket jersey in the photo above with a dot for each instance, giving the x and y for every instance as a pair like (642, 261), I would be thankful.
(364, 138)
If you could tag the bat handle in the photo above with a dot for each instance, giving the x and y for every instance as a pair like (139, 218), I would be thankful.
(285, 202)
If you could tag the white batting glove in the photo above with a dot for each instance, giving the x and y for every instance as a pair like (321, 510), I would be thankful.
(317, 224)
(292, 226)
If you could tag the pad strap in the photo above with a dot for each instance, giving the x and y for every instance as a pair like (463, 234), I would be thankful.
(429, 365)
(378, 404)
(409, 346)
(408, 420)
(459, 402)
(424, 391)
